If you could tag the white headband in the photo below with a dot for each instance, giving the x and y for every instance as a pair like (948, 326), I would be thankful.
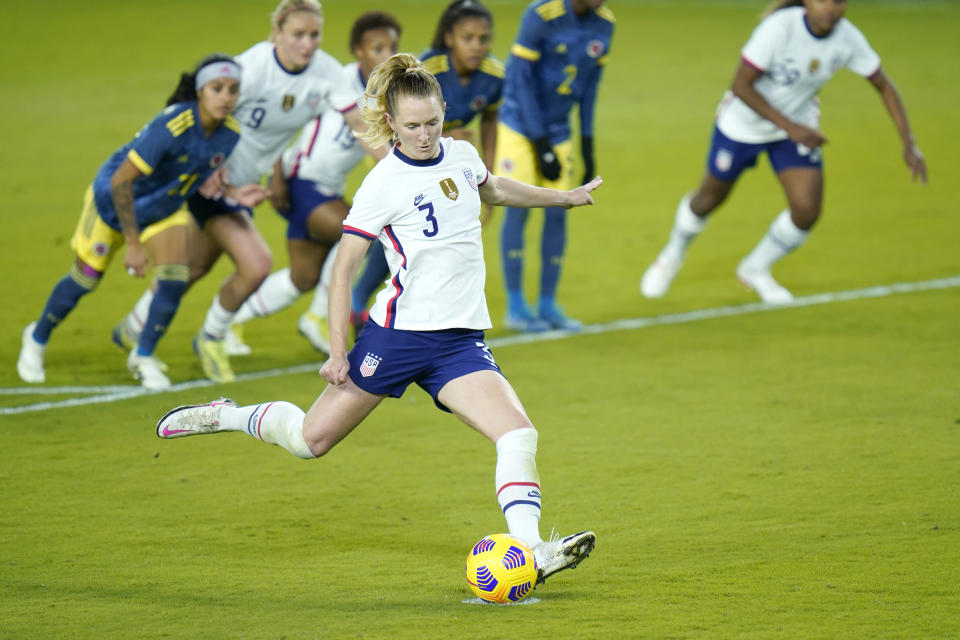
(219, 69)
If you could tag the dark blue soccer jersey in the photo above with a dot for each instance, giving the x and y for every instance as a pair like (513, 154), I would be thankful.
(175, 157)
(465, 101)
(555, 62)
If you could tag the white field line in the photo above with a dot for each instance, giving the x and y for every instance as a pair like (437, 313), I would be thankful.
(113, 393)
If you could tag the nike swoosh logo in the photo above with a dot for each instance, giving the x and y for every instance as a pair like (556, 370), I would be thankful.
(169, 432)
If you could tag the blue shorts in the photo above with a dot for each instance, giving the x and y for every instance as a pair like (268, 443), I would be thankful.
(204, 208)
(386, 361)
(304, 198)
(728, 158)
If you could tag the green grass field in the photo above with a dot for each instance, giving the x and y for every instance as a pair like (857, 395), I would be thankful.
(784, 473)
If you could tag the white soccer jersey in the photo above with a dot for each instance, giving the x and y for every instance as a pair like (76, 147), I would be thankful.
(274, 104)
(426, 213)
(795, 64)
(327, 150)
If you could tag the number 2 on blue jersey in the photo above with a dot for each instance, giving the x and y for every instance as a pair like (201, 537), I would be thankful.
(428, 207)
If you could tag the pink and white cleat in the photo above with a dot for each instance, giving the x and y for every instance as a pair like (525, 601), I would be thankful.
(192, 419)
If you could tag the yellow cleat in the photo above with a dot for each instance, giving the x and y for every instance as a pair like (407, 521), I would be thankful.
(316, 329)
(234, 343)
(213, 358)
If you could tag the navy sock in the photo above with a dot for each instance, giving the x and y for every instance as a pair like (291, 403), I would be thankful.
(511, 252)
(164, 306)
(64, 297)
(370, 280)
(551, 250)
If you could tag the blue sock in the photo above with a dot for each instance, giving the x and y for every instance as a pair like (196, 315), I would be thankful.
(511, 252)
(64, 297)
(164, 306)
(551, 251)
(370, 280)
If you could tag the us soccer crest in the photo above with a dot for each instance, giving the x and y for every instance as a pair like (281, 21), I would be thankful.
(723, 160)
(450, 188)
(287, 103)
(369, 365)
(468, 174)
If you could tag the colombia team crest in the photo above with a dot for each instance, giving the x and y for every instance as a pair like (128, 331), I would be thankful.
(450, 188)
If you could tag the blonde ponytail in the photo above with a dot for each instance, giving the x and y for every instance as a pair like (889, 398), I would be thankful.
(399, 75)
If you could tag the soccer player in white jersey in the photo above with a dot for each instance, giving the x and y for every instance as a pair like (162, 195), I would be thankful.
(423, 203)
(286, 82)
(772, 107)
(312, 179)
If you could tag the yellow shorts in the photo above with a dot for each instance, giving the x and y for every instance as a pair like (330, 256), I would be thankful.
(517, 158)
(95, 242)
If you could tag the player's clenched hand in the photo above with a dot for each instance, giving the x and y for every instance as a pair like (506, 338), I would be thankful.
(335, 370)
(583, 195)
(212, 187)
(806, 136)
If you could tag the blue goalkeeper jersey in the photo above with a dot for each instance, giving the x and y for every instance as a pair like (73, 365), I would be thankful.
(555, 62)
(175, 156)
(464, 101)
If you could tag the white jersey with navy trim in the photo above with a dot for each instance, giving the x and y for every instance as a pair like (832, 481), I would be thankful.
(327, 149)
(426, 213)
(795, 63)
(274, 104)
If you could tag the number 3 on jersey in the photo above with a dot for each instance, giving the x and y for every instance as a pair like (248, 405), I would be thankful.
(432, 231)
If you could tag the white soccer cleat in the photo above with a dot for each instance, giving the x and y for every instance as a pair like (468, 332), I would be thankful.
(192, 419)
(657, 278)
(558, 553)
(148, 370)
(30, 362)
(316, 329)
(769, 290)
(233, 341)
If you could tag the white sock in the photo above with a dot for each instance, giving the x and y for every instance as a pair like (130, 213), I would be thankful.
(276, 293)
(781, 238)
(279, 423)
(518, 484)
(218, 320)
(318, 306)
(686, 226)
(138, 316)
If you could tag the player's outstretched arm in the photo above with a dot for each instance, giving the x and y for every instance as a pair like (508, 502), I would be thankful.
(898, 113)
(498, 190)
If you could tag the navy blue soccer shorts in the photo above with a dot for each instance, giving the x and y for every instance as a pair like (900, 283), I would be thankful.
(203, 209)
(728, 158)
(385, 361)
(304, 198)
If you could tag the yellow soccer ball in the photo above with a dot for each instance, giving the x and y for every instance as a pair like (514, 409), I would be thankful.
(501, 569)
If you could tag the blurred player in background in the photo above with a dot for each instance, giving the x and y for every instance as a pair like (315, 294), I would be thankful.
(135, 200)
(316, 171)
(286, 83)
(772, 107)
(472, 82)
(555, 63)
(423, 204)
